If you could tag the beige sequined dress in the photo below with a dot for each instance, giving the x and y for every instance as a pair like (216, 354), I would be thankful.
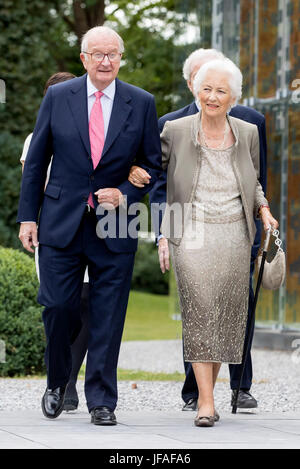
(213, 277)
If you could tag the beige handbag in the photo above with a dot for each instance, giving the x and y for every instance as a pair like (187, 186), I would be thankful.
(274, 271)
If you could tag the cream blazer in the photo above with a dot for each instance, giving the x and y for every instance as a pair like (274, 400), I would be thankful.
(182, 157)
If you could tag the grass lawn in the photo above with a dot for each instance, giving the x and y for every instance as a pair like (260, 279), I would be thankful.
(138, 375)
(149, 318)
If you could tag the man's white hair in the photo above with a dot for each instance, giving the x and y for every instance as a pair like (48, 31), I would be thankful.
(197, 57)
(100, 30)
(225, 65)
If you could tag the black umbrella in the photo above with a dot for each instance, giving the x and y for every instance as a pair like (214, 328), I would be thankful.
(251, 327)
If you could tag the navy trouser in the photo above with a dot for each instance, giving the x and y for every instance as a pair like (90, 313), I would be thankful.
(80, 345)
(61, 274)
(190, 388)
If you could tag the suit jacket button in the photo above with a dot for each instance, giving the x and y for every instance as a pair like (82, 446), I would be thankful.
(92, 178)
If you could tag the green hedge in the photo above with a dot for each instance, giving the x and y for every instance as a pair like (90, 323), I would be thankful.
(147, 275)
(10, 178)
(21, 326)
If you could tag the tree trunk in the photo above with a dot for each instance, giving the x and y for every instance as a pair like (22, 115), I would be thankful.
(88, 17)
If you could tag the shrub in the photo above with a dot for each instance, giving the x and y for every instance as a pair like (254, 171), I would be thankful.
(10, 176)
(147, 275)
(21, 326)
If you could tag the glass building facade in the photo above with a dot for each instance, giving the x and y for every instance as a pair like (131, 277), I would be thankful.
(263, 38)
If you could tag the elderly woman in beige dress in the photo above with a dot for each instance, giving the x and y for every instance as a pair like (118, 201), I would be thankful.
(213, 168)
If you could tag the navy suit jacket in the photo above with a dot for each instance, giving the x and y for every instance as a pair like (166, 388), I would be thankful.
(62, 131)
(158, 192)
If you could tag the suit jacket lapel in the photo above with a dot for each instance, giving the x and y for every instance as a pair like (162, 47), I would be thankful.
(120, 112)
(78, 103)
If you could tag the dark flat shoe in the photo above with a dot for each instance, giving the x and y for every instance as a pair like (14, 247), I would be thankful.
(71, 398)
(103, 416)
(190, 405)
(245, 400)
(70, 404)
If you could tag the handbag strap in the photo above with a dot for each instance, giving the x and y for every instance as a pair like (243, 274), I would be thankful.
(277, 241)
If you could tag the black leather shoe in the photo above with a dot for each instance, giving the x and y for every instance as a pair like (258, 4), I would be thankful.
(245, 400)
(190, 405)
(53, 402)
(70, 404)
(71, 398)
(103, 416)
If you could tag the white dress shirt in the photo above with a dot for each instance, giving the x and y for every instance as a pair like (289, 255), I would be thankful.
(26, 147)
(107, 100)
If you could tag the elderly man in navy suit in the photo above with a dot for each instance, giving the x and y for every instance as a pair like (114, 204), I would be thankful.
(158, 196)
(95, 126)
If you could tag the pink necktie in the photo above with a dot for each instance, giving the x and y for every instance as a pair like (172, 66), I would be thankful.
(96, 131)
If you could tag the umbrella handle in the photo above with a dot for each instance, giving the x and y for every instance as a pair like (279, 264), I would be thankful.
(267, 240)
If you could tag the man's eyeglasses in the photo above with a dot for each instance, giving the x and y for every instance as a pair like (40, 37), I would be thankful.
(99, 57)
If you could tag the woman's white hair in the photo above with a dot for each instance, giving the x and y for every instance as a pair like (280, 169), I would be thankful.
(226, 65)
(100, 30)
(197, 57)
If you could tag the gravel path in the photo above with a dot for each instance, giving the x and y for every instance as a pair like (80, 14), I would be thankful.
(276, 381)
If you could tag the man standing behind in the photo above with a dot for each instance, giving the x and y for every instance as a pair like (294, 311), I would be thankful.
(95, 126)
(158, 196)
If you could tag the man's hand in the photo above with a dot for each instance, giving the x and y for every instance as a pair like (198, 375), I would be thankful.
(109, 198)
(163, 254)
(138, 176)
(28, 235)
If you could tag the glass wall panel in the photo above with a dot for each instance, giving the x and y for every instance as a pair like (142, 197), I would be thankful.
(267, 48)
(247, 49)
(293, 277)
(294, 54)
(293, 241)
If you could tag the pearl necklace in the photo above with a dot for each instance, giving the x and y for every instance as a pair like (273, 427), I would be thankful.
(221, 146)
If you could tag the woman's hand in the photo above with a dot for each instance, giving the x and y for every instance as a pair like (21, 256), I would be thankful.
(163, 254)
(268, 219)
(138, 176)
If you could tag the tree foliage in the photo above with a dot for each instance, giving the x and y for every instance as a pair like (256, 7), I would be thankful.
(39, 38)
